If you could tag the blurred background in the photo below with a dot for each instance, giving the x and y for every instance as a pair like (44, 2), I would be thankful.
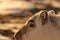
(18, 11)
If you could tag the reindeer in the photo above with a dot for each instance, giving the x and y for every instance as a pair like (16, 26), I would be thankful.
(42, 26)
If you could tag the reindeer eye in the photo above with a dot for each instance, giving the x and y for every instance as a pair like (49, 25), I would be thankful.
(31, 24)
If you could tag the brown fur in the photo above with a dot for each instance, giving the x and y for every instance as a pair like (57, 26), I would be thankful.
(44, 21)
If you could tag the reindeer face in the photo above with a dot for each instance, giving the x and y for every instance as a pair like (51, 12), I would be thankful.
(38, 22)
(45, 27)
(33, 27)
(42, 26)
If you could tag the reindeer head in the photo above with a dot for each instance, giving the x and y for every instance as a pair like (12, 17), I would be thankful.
(35, 27)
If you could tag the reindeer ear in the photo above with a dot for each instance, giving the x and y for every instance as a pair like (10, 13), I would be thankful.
(44, 17)
(51, 12)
